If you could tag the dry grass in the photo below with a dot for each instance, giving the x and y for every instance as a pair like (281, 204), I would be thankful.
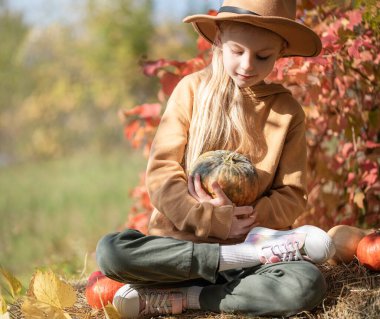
(353, 293)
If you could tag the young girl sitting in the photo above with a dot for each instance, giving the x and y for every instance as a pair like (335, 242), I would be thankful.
(207, 253)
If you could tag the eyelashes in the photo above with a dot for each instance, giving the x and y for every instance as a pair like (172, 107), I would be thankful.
(258, 57)
(262, 58)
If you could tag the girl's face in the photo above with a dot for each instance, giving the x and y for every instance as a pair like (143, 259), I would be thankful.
(249, 53)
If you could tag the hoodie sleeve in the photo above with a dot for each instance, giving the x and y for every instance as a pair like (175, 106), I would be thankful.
(287, 197)
(166, 179)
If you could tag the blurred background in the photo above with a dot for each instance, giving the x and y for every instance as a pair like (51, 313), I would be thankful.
(72, 164)
(66, 68)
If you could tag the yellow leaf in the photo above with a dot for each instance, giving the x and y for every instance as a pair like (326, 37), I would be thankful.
(48, 288)
(13, 286)
(3, 305)
(359, 199)
(34, 309)
(5, 316)
(110, 312)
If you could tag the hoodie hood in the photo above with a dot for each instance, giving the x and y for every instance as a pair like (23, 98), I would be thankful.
(263, 89)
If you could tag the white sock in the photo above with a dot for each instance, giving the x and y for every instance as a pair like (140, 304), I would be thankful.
(238, 256)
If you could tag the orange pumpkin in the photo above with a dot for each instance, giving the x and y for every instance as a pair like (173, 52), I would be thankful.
(346, 239)
(101, 289)
(368, 251)
(234, 173)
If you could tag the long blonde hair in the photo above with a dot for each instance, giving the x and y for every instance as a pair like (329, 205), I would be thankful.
(219, 121)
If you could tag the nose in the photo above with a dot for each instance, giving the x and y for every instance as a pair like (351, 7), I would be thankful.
(247, 62)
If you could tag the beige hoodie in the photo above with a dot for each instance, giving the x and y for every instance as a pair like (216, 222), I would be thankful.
(281, 171)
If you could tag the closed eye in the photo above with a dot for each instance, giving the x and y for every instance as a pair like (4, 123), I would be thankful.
(262, 58)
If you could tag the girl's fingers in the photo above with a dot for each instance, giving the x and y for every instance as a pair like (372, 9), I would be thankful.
(220, 197)
(218, 191)
(190, 186)
(199, 189)
(247, 223)
(241, 227)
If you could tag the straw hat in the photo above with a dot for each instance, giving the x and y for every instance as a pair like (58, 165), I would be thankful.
(275, 15)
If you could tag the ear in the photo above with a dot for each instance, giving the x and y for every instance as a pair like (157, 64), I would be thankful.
(218, 40)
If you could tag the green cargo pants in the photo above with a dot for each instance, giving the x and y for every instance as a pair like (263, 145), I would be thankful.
(280, 289)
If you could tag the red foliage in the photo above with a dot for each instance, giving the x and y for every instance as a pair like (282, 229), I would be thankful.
(140, 124)
(341, 96)
(341, 99)
(139, 221)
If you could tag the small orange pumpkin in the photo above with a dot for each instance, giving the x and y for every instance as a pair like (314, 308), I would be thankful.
(346, 239)
(368, 251)
(101, 289)
(234, 173)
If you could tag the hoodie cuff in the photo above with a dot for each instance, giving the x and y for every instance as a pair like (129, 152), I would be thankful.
(221, 222)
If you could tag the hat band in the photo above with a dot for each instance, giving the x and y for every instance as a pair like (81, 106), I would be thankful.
(236, 10)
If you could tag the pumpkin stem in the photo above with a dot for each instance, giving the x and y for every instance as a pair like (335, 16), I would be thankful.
(229, 159)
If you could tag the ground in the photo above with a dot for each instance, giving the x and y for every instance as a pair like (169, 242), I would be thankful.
(353, 293)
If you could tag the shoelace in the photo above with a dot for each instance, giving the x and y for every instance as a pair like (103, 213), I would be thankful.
(284, 251)
(158, 303)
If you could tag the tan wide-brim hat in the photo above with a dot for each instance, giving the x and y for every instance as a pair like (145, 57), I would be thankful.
(275, 15)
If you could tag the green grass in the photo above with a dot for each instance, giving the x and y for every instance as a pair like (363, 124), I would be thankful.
(53, 213)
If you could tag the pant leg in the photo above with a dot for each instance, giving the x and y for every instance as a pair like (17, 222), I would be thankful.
(280, 289)
(132, 257)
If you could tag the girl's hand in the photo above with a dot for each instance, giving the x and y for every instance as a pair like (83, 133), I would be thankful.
(196, 190)
(242, 221)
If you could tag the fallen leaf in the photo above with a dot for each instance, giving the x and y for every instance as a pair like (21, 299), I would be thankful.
(110, 312)
(3, 305)
(5, 316)
(48, 288)
(12, 285)
(34, 309)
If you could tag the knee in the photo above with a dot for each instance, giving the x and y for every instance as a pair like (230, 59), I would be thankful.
(309, 287)
(113, 252)
(116, 255)
(106, 254)
(297, 286)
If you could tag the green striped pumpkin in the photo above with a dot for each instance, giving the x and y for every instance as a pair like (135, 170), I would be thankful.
(234, 173)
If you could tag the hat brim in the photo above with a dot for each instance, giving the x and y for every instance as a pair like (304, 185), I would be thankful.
(302, 41)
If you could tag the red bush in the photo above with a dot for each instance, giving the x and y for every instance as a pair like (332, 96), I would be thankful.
(341, 96)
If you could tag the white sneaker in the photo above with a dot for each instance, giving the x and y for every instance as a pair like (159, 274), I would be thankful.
(303, 243)
(140, 302)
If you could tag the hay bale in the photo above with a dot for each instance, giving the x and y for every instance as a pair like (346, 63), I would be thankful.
(353, 293)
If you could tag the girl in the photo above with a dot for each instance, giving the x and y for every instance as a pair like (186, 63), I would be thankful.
(206, 253)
